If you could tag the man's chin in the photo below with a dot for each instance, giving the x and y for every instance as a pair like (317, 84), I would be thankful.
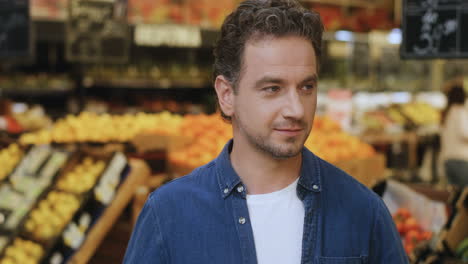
(285, 152)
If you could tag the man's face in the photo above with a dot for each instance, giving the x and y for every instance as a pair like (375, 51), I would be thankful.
(274, 107)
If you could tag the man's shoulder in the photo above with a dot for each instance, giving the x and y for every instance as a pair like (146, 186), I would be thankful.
(339, 182)
(200, 180)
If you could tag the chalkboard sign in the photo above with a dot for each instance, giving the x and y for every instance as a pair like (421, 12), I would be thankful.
(15, 39)
(95, 33)
(435, 29)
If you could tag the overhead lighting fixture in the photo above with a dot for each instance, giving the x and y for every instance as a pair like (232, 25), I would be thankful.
(344, 35)
(401, 97)
(394, 37)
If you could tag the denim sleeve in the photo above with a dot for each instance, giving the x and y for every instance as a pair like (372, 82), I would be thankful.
(146, 243)
(386, 245)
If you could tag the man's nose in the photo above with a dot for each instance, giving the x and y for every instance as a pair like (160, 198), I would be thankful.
(293, 107)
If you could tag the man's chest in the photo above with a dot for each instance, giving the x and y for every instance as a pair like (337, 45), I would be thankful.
(226, 234)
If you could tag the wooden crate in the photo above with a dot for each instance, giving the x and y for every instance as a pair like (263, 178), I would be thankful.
(145, 142)
(367, 171)
(176, 170)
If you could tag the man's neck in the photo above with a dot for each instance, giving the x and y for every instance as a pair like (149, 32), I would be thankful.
(262, 173)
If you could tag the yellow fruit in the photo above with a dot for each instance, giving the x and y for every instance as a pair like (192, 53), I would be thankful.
(104, 128)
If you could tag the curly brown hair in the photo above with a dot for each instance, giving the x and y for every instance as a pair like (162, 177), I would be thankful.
(256, 19)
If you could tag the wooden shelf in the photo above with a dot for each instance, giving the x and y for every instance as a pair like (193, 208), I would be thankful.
(411, 138)
(137, 177)
(151, 84)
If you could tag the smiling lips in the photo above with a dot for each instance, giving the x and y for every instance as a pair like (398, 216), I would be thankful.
(289, 131)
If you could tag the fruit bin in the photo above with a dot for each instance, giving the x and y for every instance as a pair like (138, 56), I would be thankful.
(368, 171)
(76, 231)
(178, 170)
(27, 183)
(80, 197)
(10, 157)
(148, 141)
(87, 206)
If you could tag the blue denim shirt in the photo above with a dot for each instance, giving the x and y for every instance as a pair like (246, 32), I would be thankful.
(203, 218)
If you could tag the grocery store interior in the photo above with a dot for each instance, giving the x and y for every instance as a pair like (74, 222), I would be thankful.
(102, 102)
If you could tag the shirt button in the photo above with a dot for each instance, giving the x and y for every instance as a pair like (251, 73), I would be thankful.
(226, 190)
(241, 220)
(315, 187)
(240, 189)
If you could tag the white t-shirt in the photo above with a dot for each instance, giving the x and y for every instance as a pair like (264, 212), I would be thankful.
(277, 221)
(454, 134)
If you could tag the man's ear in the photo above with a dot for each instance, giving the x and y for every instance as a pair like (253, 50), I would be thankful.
(225, 93)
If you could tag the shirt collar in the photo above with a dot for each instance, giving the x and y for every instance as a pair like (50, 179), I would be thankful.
(228, 178)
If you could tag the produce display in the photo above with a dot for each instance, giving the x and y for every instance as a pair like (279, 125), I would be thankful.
(35, 82)
(410, 230)
(51, 215)
(33, 119)
(205, 13)
(22, 252)
(421, 113)
(207, 135)
(409, 115)
(83, 176)
(146, 74)
(9, 158)
(359, 20)
(159, 11)
(328, 141)
(46, 9)
(57, 197)
(91, 127)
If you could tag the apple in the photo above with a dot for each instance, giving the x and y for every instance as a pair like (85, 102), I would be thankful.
(411, 224)
(412, 237)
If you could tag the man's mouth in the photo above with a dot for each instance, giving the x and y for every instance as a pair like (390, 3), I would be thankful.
(289, 131)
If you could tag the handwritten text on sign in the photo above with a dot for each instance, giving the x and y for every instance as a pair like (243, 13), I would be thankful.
(435, 28)
(14, 31)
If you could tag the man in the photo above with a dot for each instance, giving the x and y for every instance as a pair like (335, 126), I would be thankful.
(265, 198)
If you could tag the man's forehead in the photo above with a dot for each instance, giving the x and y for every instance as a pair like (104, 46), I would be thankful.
(278, 54)
(288, 51)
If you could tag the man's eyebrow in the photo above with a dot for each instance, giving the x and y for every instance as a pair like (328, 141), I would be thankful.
(268, 79)
(312, 78)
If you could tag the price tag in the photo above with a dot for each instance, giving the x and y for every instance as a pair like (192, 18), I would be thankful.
(105, 190)
(339, 107)
(56, 258)
(54, 164)
(168, 35)
(37, 157)
(115, 168)
(104, 194)
(73, 237)
(84, 222)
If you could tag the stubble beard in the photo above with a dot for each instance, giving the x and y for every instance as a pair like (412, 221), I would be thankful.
(276, 151)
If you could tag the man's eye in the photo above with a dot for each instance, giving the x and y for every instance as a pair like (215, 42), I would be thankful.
(308, 87)
(271, 89)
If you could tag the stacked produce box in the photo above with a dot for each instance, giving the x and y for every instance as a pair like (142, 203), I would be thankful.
(50, 197)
